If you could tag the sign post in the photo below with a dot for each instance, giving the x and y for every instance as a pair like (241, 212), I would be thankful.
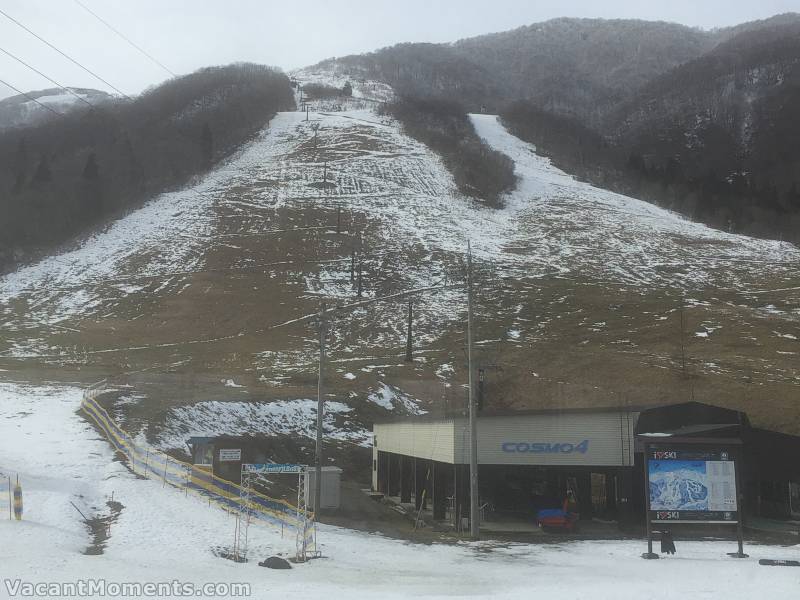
(692, 484)
(17, 500)
(649, 555)
(230, 454)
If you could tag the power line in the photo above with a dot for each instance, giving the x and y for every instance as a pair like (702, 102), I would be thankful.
(124, 37)
(32, 99)
(50, 79)
(68, 57)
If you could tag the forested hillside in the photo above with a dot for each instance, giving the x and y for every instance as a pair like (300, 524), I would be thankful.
(59, 178)
(701, 122)
(576, 66)
(443, 125)
(717, 137)
(714, 139)
(582, 67)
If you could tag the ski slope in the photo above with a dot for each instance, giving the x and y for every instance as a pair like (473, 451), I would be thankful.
(553, 224)
(575, 227)
(221, 282)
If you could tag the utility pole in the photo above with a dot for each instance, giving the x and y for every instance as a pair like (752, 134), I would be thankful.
(409, 355)
(474, 517)
(481, 378)
(683, 333)
(358, 276)
(320, 411)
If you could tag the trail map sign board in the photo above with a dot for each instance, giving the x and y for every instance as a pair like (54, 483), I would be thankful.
(691, 485)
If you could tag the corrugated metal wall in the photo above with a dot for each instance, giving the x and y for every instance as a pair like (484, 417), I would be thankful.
(431, 440)
(603, 438)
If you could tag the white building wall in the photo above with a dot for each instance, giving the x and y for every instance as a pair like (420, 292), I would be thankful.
(602, 438)
(589, 439)
(431, 440)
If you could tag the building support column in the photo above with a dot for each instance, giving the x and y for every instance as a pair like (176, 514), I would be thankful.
(391, 475)
(439, 491)
(584, 493)
(406, 478)
(461, 490)
(420, 468)
(383, 473)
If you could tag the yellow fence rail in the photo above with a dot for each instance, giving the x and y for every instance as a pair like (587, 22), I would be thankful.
(151, 463)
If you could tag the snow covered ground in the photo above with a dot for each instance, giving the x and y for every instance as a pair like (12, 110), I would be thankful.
(289, 417)
(161, 536)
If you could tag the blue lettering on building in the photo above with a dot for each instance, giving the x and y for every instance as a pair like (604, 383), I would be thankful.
(546, 448)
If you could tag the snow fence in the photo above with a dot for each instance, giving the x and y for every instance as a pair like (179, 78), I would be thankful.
(151, 463)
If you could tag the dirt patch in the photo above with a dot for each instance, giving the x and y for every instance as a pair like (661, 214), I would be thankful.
(100, 527)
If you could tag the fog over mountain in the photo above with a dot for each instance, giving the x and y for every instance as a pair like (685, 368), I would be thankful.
(33, 107)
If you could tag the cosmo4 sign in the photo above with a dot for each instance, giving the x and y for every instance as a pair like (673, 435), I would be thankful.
(579, 447)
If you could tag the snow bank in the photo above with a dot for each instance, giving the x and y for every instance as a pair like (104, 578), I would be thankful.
(389, 397)
(287, 417)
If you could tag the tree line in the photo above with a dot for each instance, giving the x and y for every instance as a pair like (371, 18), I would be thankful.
(444, 126)
(757, 193)
(62, 177)
(703, 123)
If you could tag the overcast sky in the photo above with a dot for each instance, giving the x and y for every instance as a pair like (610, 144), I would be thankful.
(189, 34)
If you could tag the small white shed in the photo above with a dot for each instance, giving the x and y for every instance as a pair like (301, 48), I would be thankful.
(331, 487)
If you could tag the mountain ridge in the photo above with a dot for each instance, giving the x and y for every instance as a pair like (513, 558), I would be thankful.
(698, 121)
(20, 110)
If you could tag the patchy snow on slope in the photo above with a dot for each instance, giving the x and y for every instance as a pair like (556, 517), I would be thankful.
(333, 75)
(576, 227)
(552, 226)
(788, 336)
(283, 417)
(391, 398)
(62, 99)
(152, 250)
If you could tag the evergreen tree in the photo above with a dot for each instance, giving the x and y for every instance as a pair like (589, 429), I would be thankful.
(207, 144)
(91, 171)
(20, 167)
(43, 173)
